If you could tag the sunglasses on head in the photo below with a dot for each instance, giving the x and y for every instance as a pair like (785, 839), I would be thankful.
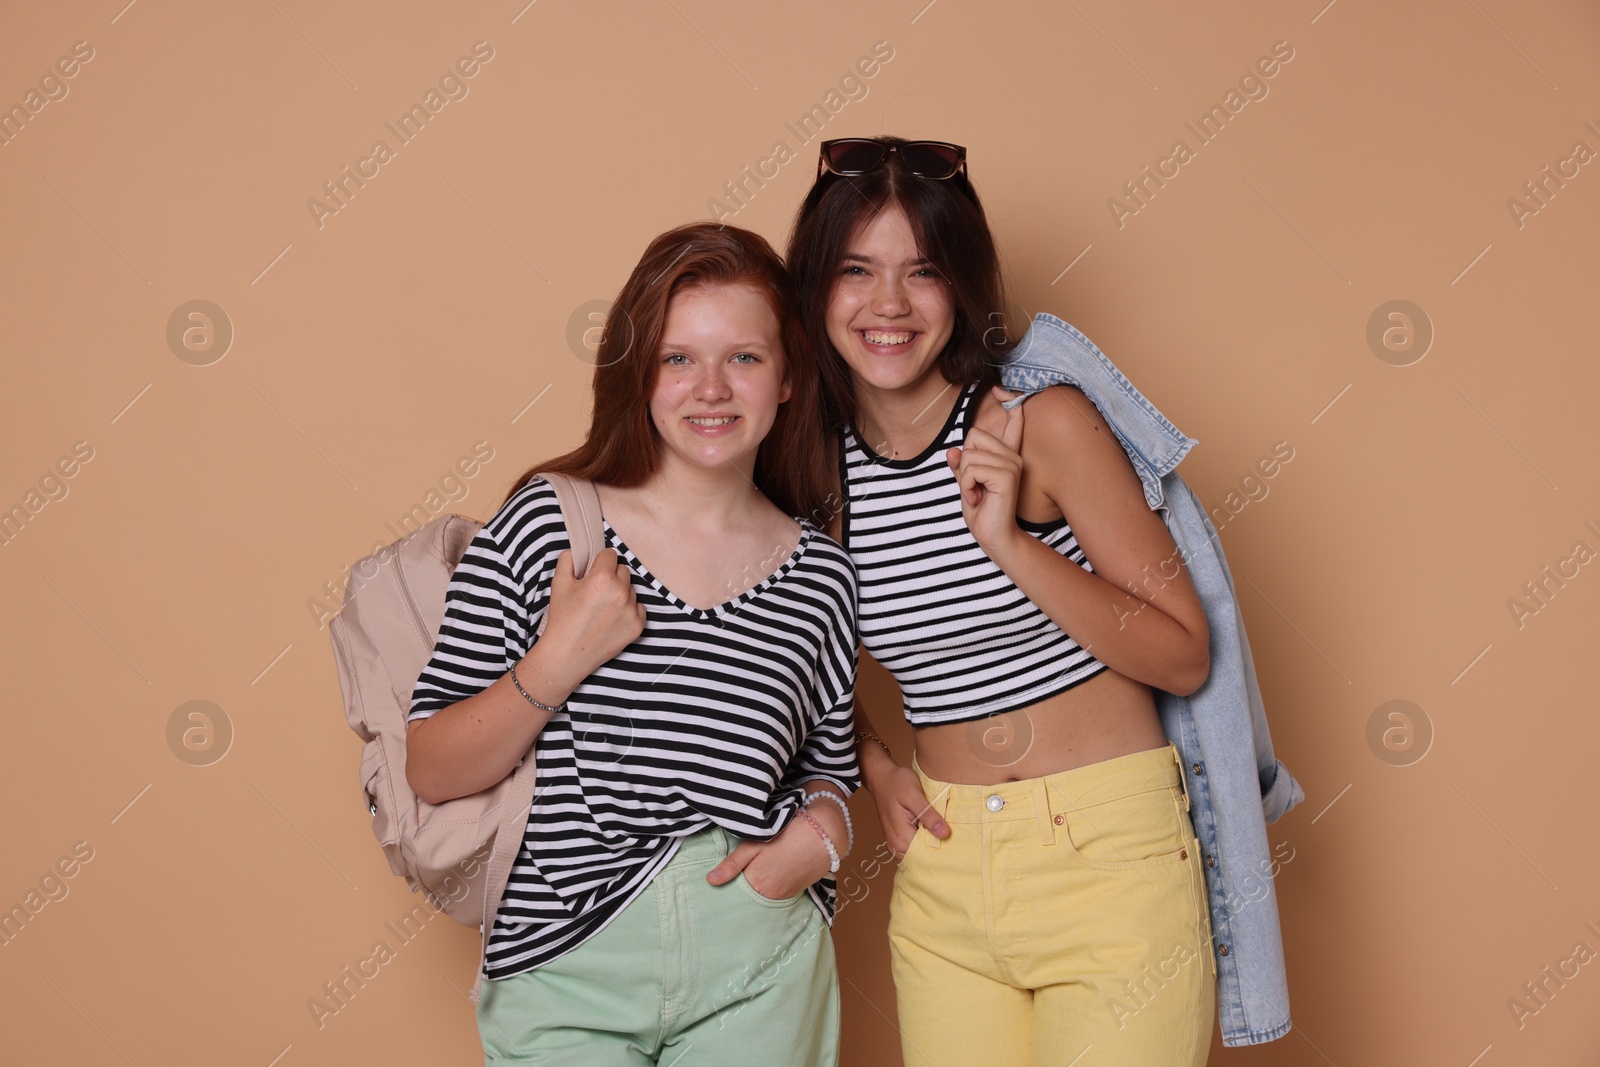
(849, 157)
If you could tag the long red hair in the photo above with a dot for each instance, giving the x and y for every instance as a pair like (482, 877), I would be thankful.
(622, 447)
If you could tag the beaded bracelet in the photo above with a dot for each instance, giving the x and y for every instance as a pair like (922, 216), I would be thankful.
(849, 830)
(827, 842)
(544, 707)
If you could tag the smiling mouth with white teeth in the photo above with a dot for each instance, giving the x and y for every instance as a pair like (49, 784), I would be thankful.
(887, 337)
(720, 420)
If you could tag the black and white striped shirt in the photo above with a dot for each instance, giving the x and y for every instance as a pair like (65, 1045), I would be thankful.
(958, 635)
(710, 716)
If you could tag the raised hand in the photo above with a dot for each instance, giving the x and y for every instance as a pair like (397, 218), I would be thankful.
(989, 470)
(592, 618)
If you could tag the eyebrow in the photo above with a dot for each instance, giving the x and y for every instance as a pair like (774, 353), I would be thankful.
(856, 257)
(736, 345)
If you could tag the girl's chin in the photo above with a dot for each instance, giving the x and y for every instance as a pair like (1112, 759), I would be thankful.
(721, 454)
(890, 374)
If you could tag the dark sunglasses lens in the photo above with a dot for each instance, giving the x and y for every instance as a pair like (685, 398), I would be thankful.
(855, 157)
(931, 160)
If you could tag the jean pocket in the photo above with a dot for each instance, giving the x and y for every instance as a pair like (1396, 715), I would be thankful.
(916, 845)
(766, 901)
(1140, 831)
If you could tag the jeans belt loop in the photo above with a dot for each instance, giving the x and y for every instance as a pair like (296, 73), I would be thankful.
(1183, 783)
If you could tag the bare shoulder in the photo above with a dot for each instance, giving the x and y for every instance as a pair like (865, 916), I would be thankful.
(1073, 459)
(1066, 434)
(1062, 412)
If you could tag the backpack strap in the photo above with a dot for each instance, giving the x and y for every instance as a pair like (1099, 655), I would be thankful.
(580, 510)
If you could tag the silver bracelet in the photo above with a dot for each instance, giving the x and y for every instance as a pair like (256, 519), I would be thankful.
(849, 830)
(526, 695)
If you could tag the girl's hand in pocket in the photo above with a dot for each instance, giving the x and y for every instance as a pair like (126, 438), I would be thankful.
(903, 806)
(784, 866)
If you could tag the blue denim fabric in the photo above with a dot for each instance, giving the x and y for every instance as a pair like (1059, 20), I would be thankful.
(1236, 786)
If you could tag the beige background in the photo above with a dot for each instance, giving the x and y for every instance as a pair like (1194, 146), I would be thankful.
(185, 560)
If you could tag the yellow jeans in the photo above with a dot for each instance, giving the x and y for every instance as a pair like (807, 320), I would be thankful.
(1063, 921)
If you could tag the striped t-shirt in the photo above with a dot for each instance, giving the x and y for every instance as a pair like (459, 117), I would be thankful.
(958, 635)
(710, 716)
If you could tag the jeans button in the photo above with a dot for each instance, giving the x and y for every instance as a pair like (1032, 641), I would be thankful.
(995, 802)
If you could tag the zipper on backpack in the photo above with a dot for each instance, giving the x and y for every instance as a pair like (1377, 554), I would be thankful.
(411, 603)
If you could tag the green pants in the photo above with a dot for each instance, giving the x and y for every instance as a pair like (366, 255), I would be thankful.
(689, 974)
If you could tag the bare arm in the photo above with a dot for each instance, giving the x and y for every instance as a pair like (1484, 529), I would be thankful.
(1138, 612)
(896, 790)
(475, 742)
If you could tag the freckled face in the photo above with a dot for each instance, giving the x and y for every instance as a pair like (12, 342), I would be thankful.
(721, 378)
(890, 313)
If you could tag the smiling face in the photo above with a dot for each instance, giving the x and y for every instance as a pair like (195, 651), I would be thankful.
(721, 377)
(889, 313)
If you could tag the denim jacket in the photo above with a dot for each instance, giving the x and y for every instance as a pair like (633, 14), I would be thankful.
(1236, 786)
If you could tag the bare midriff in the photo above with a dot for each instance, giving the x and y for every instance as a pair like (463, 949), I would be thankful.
(1109, 715)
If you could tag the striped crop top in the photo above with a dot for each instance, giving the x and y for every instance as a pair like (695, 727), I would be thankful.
(958, 635)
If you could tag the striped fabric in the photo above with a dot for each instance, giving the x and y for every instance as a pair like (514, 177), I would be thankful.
(709, 716)
(957, 634)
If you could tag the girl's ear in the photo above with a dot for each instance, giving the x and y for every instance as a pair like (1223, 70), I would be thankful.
(786, 390)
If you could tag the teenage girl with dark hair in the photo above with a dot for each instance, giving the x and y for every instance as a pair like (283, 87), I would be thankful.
(995, 569)
(691, 695)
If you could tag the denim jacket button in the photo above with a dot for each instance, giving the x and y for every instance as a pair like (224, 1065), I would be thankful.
(1199, 769)
(1222, 950)
(1211, 861)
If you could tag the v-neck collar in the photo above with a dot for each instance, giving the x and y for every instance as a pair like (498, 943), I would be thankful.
(614, 540)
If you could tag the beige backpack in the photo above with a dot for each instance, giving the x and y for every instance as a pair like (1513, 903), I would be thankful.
(460, 852)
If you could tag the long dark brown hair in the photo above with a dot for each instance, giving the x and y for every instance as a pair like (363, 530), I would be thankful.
(949, 227)
(623, 447)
